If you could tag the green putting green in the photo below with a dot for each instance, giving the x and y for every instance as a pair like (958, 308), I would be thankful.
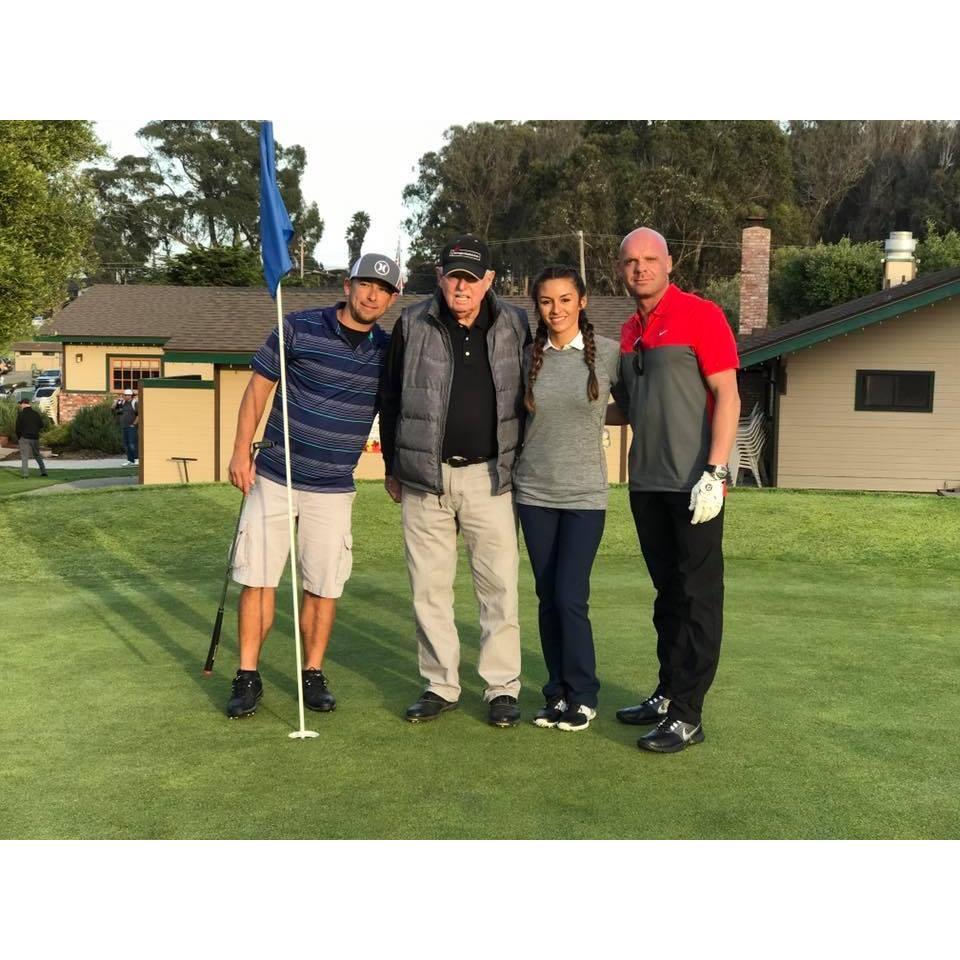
(831, 715)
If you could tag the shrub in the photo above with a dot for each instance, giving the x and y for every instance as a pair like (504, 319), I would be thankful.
(8, 417)
(96, 428)
(58, 437)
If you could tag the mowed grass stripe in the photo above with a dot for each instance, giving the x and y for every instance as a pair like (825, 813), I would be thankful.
(829, 716)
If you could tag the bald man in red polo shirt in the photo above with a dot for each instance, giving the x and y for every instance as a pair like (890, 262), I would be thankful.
(678, 391)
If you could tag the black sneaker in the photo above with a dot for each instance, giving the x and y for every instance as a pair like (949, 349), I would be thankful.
(651, 710)
(550, 713)
(576, 717)
(316, 695)
(504, 711)
(672, 736)
(247, 690)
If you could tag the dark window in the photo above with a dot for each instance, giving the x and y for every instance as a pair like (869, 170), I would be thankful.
(905, 391)
(127, 372)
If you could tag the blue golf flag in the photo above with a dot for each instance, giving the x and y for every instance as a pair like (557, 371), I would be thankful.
(275, 227)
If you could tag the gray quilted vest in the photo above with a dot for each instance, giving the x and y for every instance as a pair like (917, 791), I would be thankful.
(427, 378)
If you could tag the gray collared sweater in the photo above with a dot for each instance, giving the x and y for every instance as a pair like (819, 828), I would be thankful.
(563, 463)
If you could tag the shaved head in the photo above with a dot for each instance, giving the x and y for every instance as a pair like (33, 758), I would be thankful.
(648, 236)
(645, 265)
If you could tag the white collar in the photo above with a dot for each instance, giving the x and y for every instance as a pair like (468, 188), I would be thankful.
(576, 343)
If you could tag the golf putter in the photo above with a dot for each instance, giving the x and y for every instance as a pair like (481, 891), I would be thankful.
(215, 637)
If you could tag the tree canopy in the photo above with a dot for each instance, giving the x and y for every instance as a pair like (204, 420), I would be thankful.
(356, 234)
(197, 188)
(527, 188)
(46, 216)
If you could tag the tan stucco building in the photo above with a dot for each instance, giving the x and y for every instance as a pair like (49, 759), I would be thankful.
(866, 395)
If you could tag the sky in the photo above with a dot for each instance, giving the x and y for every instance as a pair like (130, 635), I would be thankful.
(342, 176)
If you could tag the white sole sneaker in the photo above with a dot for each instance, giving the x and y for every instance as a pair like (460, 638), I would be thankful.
(587, 713)
(545, 724)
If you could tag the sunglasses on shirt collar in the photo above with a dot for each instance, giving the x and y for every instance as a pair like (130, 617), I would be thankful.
(638, 356)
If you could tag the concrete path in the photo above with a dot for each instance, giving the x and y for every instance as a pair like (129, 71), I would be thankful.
(56, 463)
(83, 485)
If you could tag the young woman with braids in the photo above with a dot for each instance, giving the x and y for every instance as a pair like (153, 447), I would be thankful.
(560, 484)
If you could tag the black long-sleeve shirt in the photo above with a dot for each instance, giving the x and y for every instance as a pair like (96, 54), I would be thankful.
(29, 424)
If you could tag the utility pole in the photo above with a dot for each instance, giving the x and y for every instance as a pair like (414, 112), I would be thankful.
(301, 258)
(583, 268)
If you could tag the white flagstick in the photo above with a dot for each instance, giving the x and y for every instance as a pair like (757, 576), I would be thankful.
(300, 734)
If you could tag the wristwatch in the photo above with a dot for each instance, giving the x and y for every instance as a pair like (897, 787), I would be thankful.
(718, 471)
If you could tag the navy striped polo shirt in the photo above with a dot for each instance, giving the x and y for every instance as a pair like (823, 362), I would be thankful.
(331, 400)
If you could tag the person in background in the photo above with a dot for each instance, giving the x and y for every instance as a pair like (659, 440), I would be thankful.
(125, 410)
(560, 484)
(28, 428)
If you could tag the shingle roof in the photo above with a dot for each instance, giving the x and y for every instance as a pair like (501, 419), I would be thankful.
(853, 314)
(234, 319)
(31, 346)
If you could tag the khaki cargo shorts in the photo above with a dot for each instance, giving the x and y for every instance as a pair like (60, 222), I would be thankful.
(324, 541)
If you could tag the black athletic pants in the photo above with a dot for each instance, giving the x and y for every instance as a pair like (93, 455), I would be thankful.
(562, 545)
(685, 562)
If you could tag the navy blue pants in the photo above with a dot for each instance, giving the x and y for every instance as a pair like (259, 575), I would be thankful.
(562, 545)
(685, 562)
(130, 442)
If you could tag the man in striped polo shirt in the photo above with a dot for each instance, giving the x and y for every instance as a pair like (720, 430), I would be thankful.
(334, 357)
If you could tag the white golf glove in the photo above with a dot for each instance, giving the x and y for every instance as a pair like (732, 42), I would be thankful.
(706, 498)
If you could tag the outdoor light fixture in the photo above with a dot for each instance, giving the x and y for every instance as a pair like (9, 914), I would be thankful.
(78, 357)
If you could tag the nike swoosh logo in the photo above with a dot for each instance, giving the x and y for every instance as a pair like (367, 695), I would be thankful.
(660, 333)
(686, 736)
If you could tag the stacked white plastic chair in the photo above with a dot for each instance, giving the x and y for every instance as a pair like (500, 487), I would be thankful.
(748, 449)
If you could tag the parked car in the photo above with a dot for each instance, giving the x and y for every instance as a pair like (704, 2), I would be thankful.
(22, 393)
(47, 378)
(46, 400)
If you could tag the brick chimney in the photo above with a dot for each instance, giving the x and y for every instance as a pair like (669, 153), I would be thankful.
(899, 263)
(754, 276)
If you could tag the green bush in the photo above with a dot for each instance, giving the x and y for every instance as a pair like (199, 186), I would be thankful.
(96, 428)
(57, 437)
(8, 417)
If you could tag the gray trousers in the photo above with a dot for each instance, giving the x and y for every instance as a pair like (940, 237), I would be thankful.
(489, 527)
(30, 448)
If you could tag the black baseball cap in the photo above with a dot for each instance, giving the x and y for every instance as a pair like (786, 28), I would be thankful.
(466, 254)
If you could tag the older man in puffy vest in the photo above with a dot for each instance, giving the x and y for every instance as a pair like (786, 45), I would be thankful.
(451, 402)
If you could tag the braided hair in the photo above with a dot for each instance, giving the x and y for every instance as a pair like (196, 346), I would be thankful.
(540, 338)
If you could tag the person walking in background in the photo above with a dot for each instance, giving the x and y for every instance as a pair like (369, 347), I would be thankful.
(450, 418)
(28, 428)
(560, 484)
(678, 391)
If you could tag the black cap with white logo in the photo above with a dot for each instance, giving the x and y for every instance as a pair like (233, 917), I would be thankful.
(375, 266)
(466, 254)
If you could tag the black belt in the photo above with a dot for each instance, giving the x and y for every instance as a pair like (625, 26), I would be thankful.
(465, 461)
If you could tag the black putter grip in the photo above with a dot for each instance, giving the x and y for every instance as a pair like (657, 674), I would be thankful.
(214, 642)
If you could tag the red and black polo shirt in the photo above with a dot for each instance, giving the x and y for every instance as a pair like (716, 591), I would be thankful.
(684, 340)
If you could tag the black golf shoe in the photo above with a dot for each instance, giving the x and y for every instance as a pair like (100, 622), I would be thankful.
(504, 711)
(651, 710)
(247, 690)
(550, 713)
(576, 717)
(429, 707)
(316, 695)
(672, 736)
